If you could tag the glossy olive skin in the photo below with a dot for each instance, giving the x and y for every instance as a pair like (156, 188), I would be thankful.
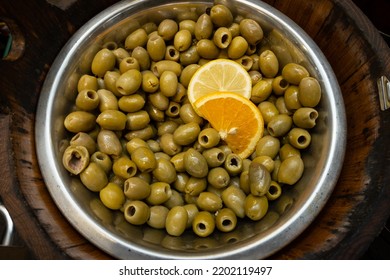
(160, 192)
(157, 216)
(137, 212)
(84, 139)
(131, 103)
(169, 145)
(112, 196)
(203, 224)
(203, 27)
(251, 31)
(182, 40)
(103, 61)
(207, 49)
(167, 29)
(222, 37)
(112, 120)
(221, 15)
(261, 91)
(237, 47)
(218, 177)
(107, 100)
(279, 125)
(156, 48)
(176, 199)
(94, 177)
(209, 201)
(195, 164)
(259, 179)
(294, 73)
(192, 210)
(299, 138)
(256, 207)
(209, 138)
(87, 82)
(164, 171)
(110, 79)
(291, 98)
(137, 38)
(144, 158)
(234, 199)
(225, 220)
(268, 146)
(150, 83)
(305, 117)
(168, 83)
(186, 134)
(274, 192)
(287, 150)
(233, 164)
(269, 64)
(291, 170)
(124, 167)
(129, 82)
(176, 221)
(268, 111)
(136, 188)
(194, 186)
(187, 114)
(215, 157)
(266, 161)
(309, 94)
(109, 143)
(137, 120)
(142, 56)
(103, 160)
(128, 63)
(79, 121)
(87, 100)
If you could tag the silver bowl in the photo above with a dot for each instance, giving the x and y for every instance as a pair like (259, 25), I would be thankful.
(287, 218)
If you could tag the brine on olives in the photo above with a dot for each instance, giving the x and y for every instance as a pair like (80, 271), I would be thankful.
(137, 141)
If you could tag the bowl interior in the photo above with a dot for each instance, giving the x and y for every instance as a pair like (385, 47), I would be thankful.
(287, 217)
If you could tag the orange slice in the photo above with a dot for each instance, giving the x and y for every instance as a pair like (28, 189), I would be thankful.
(219, 75)
(238, 121)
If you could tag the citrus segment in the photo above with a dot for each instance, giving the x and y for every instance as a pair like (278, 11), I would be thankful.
(219, 75)
(238, 121)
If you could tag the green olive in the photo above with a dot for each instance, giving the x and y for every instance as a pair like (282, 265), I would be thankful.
(209, 201)
(268, 146)
(87, 82)
(274, 191)
(207, 49)
(157, 217)
(166, 65)
(237, 48)
(203, 224)
(84, 139)
(266, 161)
(169, 145)
(160, 192)
(305, 117)
(167, 127)
(150, 83)
(107, 100)
(134, 144)
(234, 199)
(124, 167)
(268, 63)
(225, 220)
(145, 133)
(75, 159)
(131, 103)
(171, 53)
(192, 210)
(291, 170)
(299, 138)
(164, 171)
(209, 137)
(144, 158)
(112, 120)
(195, 186)
(129, 82)
(181, 181)
(309, 93)
(190, 56)
(103, 160)
(120, 54)
(176, 221)
(203, 27)
(222, 37)
(287, 150)
(221, 15)
(137, 120)
(142, 56)
(218, 177)
(168, 83)
(182, 40)
(259, 179)
(137, 212)
(173, 109)
(186, 134)
(187, 114)
(261, 91)
(233, 164)
(187, 74)
(268, 111)
(137, 38)
(128, 63)
(136, 188)
(215, 157)
(167, 29)
(87, 100)
(291, 98)
(79, 121)
(112, 196)
(176, 199)
(195, 164)
(109, 143)
(103, 61)
(279, 125)
(294, 73)
(156, 48)
(251, 31)
(256, 207)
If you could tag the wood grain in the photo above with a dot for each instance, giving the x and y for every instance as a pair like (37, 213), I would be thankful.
(356, 211)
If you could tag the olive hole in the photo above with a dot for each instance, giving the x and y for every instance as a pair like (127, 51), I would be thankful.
(283, 83)
(233, 162)
(172, 52)
(91, 94)
(100, 157)
(201, 227)
(174, 109)
(131, 170)
(74, 160)
(313, 115)
(302, 139)
(221, 157)
(131, 211)
(204, 139)
(226, 223)
(246, 62)
(273, 190)
(224, 38)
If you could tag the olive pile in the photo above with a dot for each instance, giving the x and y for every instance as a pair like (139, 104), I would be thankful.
(137, 141)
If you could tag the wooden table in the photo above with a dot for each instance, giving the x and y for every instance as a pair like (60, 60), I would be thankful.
(357, 209)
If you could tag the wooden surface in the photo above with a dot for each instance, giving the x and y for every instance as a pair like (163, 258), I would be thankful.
(356, 211)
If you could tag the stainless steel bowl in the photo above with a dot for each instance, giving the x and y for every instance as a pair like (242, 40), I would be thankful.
(286, 219)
